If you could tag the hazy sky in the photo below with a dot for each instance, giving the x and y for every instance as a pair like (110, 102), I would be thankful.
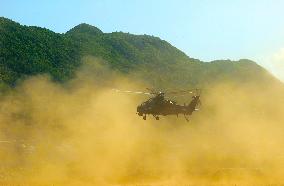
(203, 29)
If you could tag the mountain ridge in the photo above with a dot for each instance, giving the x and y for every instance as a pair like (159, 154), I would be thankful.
(31, 50)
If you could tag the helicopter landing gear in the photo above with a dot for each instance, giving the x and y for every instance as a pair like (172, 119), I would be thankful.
(144, 117)
(156, 117)
(186, 118)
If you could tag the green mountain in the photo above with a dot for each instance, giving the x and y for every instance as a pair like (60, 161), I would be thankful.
(29, 50)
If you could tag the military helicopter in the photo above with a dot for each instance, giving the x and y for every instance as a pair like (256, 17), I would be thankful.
(158, 105)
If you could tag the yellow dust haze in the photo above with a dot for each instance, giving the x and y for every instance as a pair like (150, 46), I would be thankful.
(84, 133)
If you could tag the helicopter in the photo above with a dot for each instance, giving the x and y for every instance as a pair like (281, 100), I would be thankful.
(158, 105)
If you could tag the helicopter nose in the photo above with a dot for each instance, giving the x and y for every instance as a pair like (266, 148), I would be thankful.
(139, 111)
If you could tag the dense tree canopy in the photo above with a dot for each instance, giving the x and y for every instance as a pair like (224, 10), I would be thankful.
(29, 50)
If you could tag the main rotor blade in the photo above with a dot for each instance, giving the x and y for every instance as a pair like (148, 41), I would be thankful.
(181, 92)
(134, 92)
(5, 141)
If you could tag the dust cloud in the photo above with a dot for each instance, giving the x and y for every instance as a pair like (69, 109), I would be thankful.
(83, 133)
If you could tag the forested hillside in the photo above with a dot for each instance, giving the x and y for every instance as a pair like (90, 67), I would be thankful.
(29, 50)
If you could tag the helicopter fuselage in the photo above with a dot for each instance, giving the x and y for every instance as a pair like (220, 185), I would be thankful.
(159, 106)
